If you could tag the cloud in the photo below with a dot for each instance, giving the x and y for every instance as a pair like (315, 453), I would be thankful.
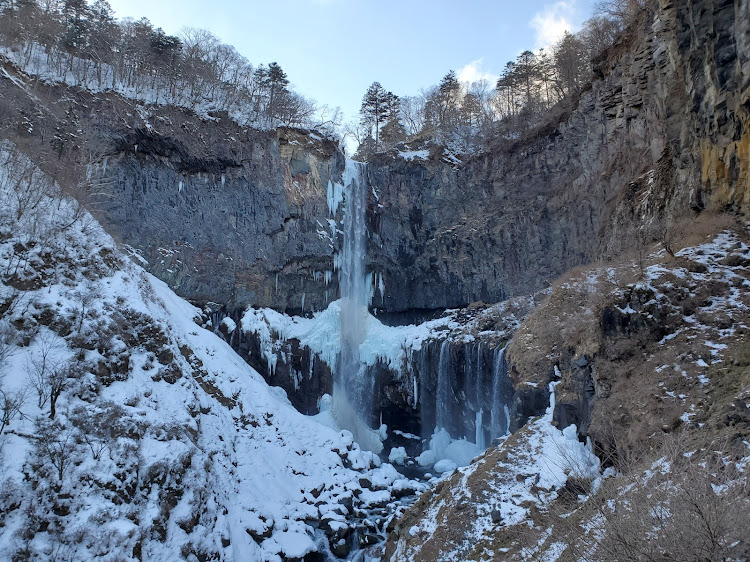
(473, 72)
(552, 22)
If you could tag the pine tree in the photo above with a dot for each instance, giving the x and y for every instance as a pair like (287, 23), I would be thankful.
(378, 107)
(76, 14)
(276, 83)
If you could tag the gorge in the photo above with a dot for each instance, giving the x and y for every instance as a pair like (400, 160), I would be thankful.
(521, 351)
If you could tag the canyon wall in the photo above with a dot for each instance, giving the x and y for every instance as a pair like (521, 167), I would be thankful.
(241, 217)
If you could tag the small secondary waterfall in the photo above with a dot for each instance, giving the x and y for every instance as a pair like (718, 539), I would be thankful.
(499, 414)
(471, 393)
(353, 390)
(443, 395)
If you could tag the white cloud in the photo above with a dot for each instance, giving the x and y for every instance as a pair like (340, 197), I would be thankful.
(473, 72)
(552, 22)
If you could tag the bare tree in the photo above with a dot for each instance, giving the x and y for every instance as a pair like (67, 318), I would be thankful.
(43, 363)
(57, 381)
(10, 406)
(412, 114)
(621, 11)
(57, 443)
(7, 339)
(691, 507)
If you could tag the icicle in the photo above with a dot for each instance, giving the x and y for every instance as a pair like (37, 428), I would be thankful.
(303, 302)
(370, 288)
(334, 196)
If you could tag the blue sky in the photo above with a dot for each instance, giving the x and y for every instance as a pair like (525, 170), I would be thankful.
(332, 50)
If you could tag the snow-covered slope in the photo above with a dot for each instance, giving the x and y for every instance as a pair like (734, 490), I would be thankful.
(162, 443)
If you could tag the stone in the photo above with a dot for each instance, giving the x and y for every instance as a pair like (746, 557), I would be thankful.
(340, 548)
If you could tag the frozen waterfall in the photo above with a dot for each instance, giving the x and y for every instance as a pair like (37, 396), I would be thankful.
(353, 389)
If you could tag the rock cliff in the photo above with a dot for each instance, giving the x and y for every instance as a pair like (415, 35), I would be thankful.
(661, 133)
(240, 217)
(222, 213)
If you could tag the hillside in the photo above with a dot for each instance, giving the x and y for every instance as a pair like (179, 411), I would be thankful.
(130, 432)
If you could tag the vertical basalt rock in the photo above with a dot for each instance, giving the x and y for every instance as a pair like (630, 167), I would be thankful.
(661, 134)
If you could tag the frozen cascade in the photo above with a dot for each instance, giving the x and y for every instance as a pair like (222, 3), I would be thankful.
(499, 415)
(479, 430)
(353, 391)
(472, 399)
(442, 396)
(479, 396)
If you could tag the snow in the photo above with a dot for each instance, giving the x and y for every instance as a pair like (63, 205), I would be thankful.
(321, 333)
(231, 449)
(445, 465)
(229, 324)
(457, 452)
(397, 455)
(143, 90)
(292, 544)
(414, 154)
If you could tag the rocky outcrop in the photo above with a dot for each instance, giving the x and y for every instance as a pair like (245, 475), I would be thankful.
(243, 224)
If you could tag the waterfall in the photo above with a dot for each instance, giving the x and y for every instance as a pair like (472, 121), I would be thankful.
(479, 389)
(353, 392)
(499, 414)
(479, 430)
(442, 396)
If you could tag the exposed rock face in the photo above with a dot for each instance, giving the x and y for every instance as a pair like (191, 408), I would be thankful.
(661, 133)
(220, 212)
(240, 225)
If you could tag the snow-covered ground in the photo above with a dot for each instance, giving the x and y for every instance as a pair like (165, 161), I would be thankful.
(164, 444)
(525, 472)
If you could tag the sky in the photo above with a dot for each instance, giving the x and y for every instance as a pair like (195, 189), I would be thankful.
(332, 50)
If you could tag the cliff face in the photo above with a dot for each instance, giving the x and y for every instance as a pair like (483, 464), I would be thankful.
(220, 212)
(240, 217)
(244, 223)
(662, 133)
